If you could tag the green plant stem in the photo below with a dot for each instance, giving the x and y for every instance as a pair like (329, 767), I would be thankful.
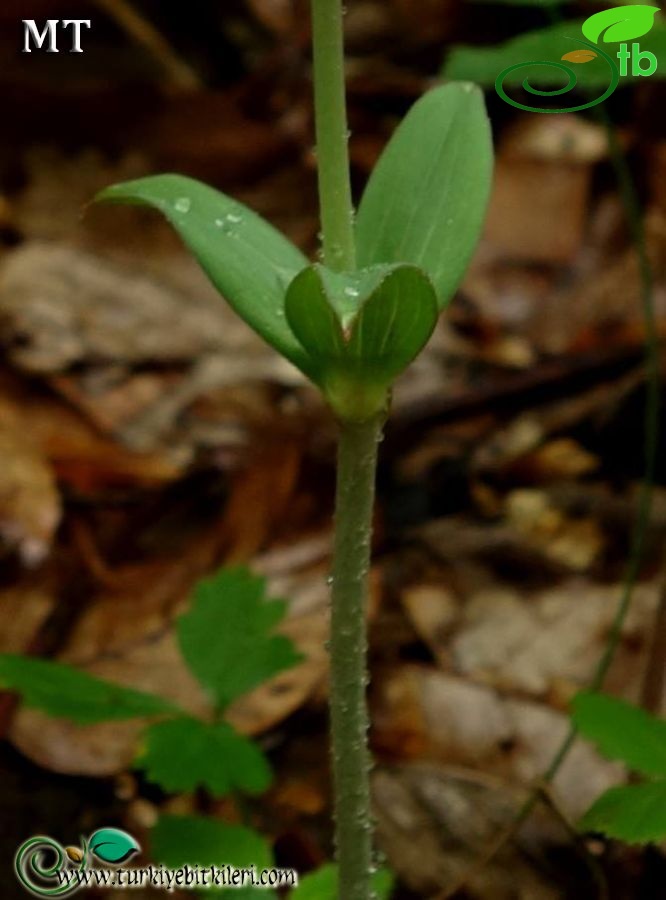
(357, 465)
(337, 212)
(357, 469)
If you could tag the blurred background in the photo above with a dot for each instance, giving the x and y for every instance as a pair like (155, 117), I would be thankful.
(148, 437)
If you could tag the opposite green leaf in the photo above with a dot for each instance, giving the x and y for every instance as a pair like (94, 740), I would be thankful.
(361, 331)
(635, 813)
(323, 884)
(622, 732)
(68, 693)
(247, 259)
(184, 754)
(177, 841)
(227, 636)
(426, 199)
(624, 23)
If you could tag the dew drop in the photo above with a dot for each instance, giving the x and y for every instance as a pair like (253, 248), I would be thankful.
(183, 205)
(234, 219)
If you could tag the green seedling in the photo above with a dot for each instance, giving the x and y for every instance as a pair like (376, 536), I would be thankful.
(180, 752)
(635, 813)
(351, 324)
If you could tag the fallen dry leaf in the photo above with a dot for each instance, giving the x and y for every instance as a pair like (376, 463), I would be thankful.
(526, 642)
(24, 608)
(454, 721)
(30, 506)
(435, 822)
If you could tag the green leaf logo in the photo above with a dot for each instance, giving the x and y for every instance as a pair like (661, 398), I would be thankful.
(112, 845)
(624, 23)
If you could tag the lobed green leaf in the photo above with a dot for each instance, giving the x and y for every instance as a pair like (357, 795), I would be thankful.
(65, 692)
(227, 635)
(426, 200)
(248, 261)
(177, 841)
(623, 732)
(183, 754)
(634, 813)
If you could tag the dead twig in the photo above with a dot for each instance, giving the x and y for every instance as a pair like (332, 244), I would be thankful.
(652, 691)
(142, 31)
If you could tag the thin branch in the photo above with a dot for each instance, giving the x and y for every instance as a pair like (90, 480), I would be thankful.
(180, 73)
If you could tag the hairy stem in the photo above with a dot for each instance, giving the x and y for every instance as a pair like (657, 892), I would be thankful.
(357, 464)
(337, 212)
(357, 467)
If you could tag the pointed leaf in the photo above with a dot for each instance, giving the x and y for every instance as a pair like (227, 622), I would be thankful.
(361, 331)
(112, 845)
(184, 754)
(227, 635)
(177, 841)
(426, 199)
(634, 813)
(622, 23)
(247, 260)
(63, 691)
(622, 731)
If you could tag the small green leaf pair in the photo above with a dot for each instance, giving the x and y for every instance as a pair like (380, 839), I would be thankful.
(635, 813)
(417, 226)
(181, 753)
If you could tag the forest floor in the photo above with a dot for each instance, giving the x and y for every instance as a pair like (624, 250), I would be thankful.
(147, 437)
